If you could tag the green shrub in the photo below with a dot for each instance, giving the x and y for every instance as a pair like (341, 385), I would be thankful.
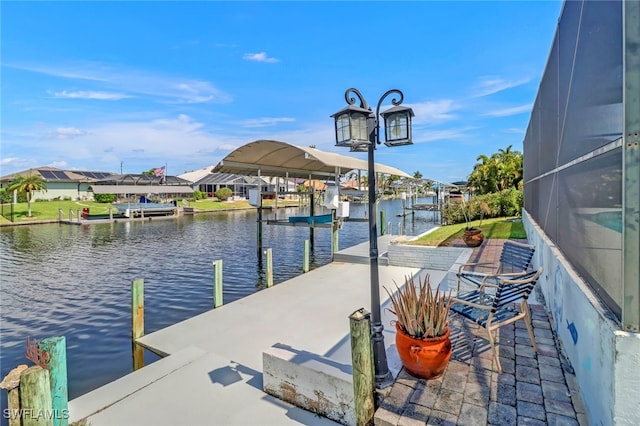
(452, 213)
(104, 198)
(7, 197)
(506, 203)
(223, 194)
(512, 201)
(198, 195)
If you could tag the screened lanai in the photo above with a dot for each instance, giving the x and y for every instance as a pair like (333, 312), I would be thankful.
(239, 184)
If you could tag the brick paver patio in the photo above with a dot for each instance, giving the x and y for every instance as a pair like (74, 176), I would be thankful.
(533, 389)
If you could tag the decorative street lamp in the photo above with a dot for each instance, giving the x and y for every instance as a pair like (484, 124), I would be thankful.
(358, 128)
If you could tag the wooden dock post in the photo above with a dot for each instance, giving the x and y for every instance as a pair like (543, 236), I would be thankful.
(56, 347)
(334, 234)
(217, 283)
(312, 211)
(12, 384)
(137, 321)
(78, 215)
(110, 214)
(363, 367)
(35, 397)
(70, 215)
(259, 235)
(305, 257)
(383, 223)
(60, 213)
(269, 253)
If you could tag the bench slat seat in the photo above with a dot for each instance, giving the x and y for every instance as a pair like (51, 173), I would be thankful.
(515, 259)
(492, 307)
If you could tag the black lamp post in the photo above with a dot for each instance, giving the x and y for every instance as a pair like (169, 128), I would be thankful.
(357, 127)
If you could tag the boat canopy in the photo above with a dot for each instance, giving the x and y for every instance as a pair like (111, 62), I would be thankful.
(280, 159)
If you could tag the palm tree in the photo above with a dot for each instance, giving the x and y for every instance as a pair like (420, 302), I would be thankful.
(500, 171)
(28, 184)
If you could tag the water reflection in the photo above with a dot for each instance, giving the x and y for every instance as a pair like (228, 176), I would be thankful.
(75, 280)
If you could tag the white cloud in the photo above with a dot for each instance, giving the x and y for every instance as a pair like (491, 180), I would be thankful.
(66, 133)
(135, 81)
(176, 139)
(259, 57)
(505, 112)
(437, 135)
(8, 160)
(59, 164)
(491, 85)
(434, 112)
(266, 121)
(85, 94)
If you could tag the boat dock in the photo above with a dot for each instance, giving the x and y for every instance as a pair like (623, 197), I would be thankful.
(213, 369)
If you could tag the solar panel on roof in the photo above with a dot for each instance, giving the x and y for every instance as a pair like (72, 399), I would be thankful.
(60, 175)
(47, 174)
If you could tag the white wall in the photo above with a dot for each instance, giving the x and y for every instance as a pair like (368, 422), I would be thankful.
(64, 190)
(606, 359)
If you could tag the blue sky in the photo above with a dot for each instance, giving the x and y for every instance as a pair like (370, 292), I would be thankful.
(100, 85)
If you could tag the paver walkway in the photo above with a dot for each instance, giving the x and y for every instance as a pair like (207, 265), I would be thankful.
(533, 389)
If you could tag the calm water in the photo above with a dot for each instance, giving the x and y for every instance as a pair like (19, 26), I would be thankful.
(75, 280)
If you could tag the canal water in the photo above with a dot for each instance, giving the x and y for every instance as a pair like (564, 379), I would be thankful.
(74, 281)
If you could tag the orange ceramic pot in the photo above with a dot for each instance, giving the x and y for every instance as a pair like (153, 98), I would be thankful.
(473, 237)
(423, 358)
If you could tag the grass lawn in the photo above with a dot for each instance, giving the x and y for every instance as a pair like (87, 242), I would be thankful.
(509, 228)
(225, 205)
(48, 210)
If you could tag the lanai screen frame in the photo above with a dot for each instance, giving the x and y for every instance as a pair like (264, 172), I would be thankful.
(576, 137)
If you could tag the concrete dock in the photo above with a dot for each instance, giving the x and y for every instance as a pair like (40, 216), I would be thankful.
(213, 371)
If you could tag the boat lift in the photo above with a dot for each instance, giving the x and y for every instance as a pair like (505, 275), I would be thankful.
(280, 159)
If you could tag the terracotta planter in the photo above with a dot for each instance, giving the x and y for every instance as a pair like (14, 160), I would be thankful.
(473, 237)
(423, 358)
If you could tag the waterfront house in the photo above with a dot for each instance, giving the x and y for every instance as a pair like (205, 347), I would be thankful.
(61, 184)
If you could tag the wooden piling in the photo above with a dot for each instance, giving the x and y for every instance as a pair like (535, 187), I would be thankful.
(217, 283)
(259, 235)
(13, 403)
(35, 397)
(312, 212)
(305, 257)
(110, 214)
(57, 349)
(137, 321)
(334, 234)
(70, 215)
(12, 384)
(269, 253)
(383, 223)
(363, 366)
(78, 215)
(60, 214)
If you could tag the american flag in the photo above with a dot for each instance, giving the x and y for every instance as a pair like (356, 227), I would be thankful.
(159, 171)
